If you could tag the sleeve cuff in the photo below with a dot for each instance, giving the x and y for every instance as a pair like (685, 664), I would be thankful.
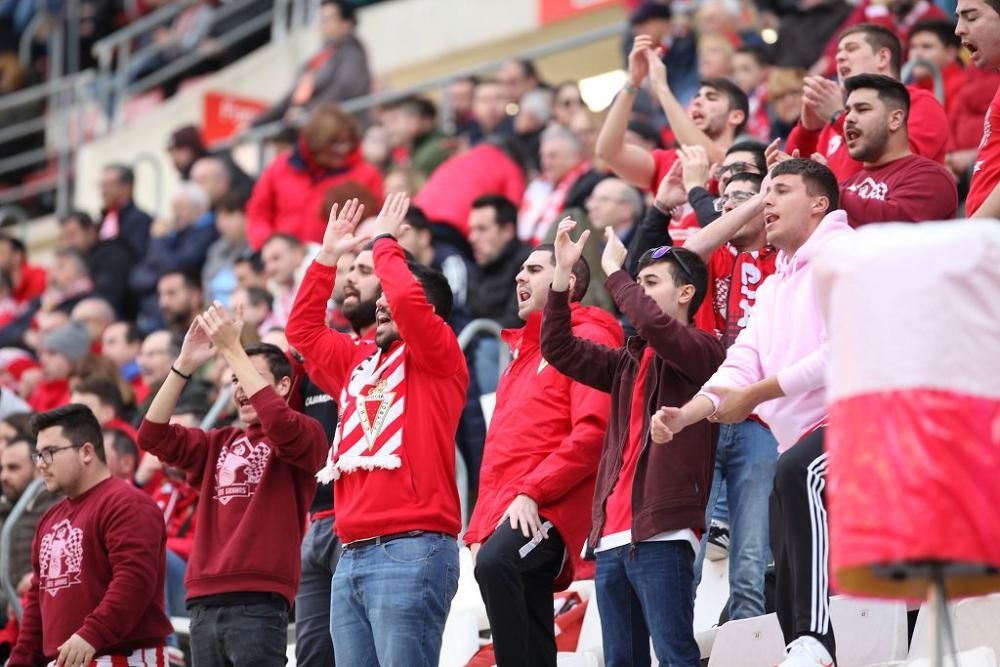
(617, 280)
(267, 399)
(712, 397)
(151, 432)
(786, 380)
(533, 492)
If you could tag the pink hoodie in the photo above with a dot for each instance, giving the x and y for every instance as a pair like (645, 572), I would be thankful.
(786, 337)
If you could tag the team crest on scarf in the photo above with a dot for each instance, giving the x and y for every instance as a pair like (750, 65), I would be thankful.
(370, 430)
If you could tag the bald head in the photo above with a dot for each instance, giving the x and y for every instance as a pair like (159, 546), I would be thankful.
(97, 314)
(614, 203)
(212, 175)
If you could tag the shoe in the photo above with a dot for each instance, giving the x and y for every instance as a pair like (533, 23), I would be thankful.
(718, 541)
(807, 652)
(175, 657)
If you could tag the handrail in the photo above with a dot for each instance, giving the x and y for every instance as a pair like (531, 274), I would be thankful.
(28, 37)
(107, 45)
(193, 57)
(22, 128)
(146, 156)
(907, 73)
(217, 407)
(9, 587)
(367, 101)
(34, 156)
(42, 90)
(484, 326)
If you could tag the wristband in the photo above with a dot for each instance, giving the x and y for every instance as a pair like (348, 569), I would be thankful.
(383, 236)
(174, 370)
(836, 116)
(629, 88)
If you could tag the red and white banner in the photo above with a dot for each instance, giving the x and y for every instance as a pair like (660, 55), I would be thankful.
(550, 11)
(913, 313)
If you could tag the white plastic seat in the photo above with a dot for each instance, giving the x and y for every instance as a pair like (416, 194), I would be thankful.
(984, 656)
(748, 642)
(712, 595)
(461, 638)
(589, 648)
(975, 621)
(875, 630)
(468, 596)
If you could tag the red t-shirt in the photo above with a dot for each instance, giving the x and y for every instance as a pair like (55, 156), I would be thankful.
(663, 160)
(986, 171)
(99, 565)
(618, 508)
(910, 189)
(727, 305)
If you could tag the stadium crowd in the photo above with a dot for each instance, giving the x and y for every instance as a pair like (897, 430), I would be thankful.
(650, 268)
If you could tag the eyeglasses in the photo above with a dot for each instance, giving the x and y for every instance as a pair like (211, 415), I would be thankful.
(45, 456)
(737, 198)
(738, 167)
(663, 250)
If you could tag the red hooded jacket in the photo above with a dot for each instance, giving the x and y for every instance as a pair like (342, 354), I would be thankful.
(289, 195)
(545, 438)
(927, 125)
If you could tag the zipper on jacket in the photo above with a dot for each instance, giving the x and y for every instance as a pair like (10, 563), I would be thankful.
(650, 403)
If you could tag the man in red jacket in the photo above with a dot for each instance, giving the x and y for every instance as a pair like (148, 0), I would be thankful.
(393, 458)
(537, 476)
(863, 49)
(96, 595)
(257, 481)
(979, 27)
(895, 184)
(649, 502)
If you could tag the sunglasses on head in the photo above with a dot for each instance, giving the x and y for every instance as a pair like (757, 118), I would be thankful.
(663, 250)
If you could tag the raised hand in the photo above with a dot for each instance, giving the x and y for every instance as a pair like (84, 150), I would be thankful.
(339, 237)
(774, 155)
(568, 251)
(671, 193)
(222, 327)
(196, 349)
(392, 214)
(824, 96)
(657, 70)
(638, 67)
(696, 169)
(613, 257)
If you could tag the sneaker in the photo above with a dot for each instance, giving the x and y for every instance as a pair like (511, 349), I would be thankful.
(807, 652)
(175, 657)
(718, 541)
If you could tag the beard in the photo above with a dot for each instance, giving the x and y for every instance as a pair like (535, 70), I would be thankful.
(871, 146)
(385, 341)
(361, 314)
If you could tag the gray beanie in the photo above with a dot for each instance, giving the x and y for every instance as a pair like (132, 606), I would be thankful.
(72, 340)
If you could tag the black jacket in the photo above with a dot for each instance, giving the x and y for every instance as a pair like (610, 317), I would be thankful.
(494, 296)
(133, 227)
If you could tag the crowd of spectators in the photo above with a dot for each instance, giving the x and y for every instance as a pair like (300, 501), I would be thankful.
(717, 93)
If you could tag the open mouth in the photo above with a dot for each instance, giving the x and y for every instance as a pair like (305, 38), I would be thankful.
(970, 46)
(770, 219)
(351, 293)
(523, 295)
(851, 134)
(382, 317)
(844, 71)
(697, 116)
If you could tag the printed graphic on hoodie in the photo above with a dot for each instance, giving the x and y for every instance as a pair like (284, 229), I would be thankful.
(239, 469)
(60, 557)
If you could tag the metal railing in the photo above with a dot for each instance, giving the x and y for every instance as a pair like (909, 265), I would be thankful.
(260, 133)
(10, 587)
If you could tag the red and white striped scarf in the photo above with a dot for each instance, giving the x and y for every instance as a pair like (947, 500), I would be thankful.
(371, 416)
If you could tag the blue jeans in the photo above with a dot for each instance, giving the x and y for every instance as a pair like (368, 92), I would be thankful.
(174, 590)
(745, 461)
(320, 552)
(647, 591)
(389, 602)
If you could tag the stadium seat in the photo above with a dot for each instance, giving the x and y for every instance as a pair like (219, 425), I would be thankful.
(713, 592)
(876, 628)
(589, 649)
(974, 621)
(749, 642)
(468, 595)
(983, 656)
(461, 637)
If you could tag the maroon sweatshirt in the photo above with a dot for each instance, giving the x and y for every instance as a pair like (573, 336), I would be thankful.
(99, 564)
(256, 489)
(910, 189)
